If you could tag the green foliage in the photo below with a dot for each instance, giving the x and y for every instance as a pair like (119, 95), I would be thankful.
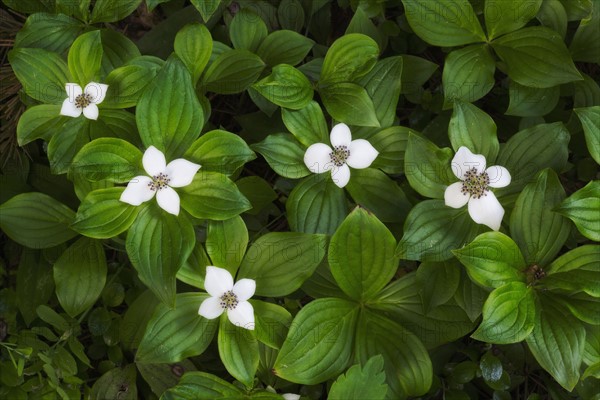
(383, 288)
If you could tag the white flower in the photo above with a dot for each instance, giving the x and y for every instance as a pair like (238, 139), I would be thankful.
(227, 296)
(346, 153)
(163, 178)
(286, 396)
(476, 180)
(85, 100)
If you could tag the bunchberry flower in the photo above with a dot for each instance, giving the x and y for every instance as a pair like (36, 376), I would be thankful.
(227, 297)
(359, 154)
(162, 179)
(83, 100)
(474, 188)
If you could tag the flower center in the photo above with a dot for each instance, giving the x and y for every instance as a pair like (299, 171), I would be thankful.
(229, 300)
(477, 185)
(339, 155)
(534, 273)
(159, 181)
(83, 100)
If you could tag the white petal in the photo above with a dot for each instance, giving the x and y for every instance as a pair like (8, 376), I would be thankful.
(211, 308)
(362, 154)
(290, 396)
(499, 176)
(453, 196)
(91, 111)
(168, 200)
(242, 315)
(73, 90)
(96, 91)
(340, 175)
(317, 158)
(137, 191)
(68, 108)
(217, 281)
(486, 210)
(340, 135)
(154, 161)
(244, 289)
(464, 160)
(181, 172)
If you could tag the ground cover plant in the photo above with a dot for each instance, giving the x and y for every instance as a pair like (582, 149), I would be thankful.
(342, 199)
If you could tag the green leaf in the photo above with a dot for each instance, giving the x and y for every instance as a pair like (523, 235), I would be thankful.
(238, 349)
(590, 119)
(316, 205)
(348, 59)
(427, 167)
(320, 341)
(272, 323)
(174, 334)
(503, 17)
(529, 151)
(349, 103)
(557, 342)
(193, 44)
(169, 115)
(408, 367)
(213, 196)
(109, 159)
(474, 129)
(127, 83)
(36, 220)
(280, 262)
(582, 46)
(468, 73)
(444, 23)
(258, 191)
(536, 228)
(359, 383)
(42, 73)
(102, 215)
(439, 282)
(536, 57)
(491, 367)
(116, 384)
(553, 15)
(226, 243)
(582, 208)
(158, 244)
(383, 85)
(194, 269)
(85, 56)
(206, 7)
(247, 30)
(113, 10)
(287, 87)
(581, 305)
(361, 255)
(201, 385)
(509, 314)
(80, 275)
(220, 151)
(52, 32)
(531, 102)
(39, 122)
(381, 195)
(492, 260)
(232, 72)
(284, 47)
(391, 144)
(307, 124)
(291, 15)
(135, 319)
(115, 123)
(66, 143)
(284, 154)
(575, 271)
(32, 293)
(432, 230)
(415, 72)
(117, 50)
